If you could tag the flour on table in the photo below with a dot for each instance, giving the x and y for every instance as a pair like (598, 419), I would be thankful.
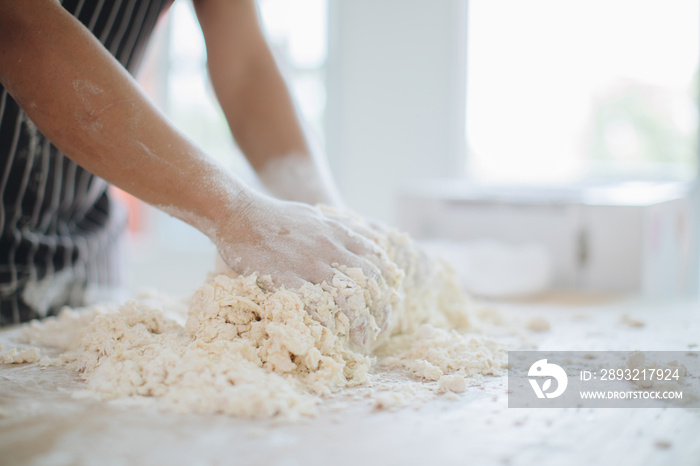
(242, 348)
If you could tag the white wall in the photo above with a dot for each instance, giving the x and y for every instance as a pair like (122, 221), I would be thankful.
(396, 86)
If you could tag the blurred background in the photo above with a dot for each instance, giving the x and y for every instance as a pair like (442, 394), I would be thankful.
(540, 145)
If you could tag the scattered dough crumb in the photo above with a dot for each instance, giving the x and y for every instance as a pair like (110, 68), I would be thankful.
(19, 356)
(630, 322)
(537, 324)
(637, 360)
(452, 383)
(491, 315)
(257, 432)
(390, 400)
(662, 444)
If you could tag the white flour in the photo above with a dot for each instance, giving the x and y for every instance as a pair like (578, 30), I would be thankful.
(241, 348)
(301, 178)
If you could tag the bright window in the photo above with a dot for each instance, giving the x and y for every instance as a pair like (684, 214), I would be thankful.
(175, 72)
(559, 91)
(296, 31)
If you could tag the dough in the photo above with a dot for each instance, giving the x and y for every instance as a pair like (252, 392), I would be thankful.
(452, 383)
(537, 324)
(241, 348)
(19, 356)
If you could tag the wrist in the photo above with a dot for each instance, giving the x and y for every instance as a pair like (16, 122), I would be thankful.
(211, 199)
(240, 219)
(300, 178)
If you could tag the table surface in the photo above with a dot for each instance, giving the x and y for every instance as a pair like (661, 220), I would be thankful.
(43, 422)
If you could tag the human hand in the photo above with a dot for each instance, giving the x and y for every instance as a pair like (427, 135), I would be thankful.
(296, 244)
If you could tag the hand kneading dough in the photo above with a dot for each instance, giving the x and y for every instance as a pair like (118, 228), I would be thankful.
(241, 348)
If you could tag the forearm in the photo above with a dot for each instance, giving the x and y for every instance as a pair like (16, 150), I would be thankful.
(258, 105)
(248, 85)
(91, 109)
(260, 113)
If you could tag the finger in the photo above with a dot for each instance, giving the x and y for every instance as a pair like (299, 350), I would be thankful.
(358, 226)
(370, 249)
(370, 271)
(379, 228)
(288, 281)
(344, 289)
(376, 296)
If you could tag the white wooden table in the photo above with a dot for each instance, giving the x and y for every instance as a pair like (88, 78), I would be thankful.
(43, 424)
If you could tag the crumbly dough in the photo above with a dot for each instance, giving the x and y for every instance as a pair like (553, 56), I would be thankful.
(638, 360)
(538, 324)
(19, 356)
(242, 348)
(452, 383)
(631, 322)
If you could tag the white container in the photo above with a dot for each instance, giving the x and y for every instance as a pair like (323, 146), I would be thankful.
(626, 237)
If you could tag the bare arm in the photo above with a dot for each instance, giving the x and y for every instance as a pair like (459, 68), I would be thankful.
(84, 101)
(257, 103)
(92, 110)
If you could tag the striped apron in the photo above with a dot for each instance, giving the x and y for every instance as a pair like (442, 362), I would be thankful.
(61, 234)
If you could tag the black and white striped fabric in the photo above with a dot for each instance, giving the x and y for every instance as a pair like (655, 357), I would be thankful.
(60, 231)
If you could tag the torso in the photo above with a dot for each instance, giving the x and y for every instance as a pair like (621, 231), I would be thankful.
(59, 230)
